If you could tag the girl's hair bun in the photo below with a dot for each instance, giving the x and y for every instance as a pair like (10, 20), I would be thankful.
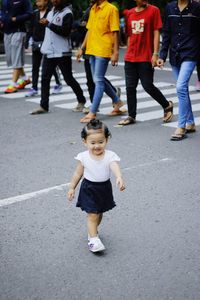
(95, 124)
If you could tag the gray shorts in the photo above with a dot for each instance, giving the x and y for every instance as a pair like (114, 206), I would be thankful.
(14, 49)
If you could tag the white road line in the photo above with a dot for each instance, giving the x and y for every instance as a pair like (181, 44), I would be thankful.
(20, 198)
(24, 197)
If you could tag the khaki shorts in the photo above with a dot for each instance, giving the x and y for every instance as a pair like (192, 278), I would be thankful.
(14, 49)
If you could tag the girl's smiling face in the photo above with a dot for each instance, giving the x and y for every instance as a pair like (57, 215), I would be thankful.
(96, 142)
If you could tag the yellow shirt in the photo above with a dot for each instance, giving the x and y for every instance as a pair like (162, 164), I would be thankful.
(103, 21)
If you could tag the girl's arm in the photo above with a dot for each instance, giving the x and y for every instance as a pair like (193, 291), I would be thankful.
(75, 180)
(117, 172)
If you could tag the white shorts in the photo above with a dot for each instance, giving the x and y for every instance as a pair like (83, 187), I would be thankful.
(14, 49)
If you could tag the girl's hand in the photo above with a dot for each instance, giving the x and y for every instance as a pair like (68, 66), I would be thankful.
(120, 183)
(71, 194)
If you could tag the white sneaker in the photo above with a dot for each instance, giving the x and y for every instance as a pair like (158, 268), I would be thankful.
(90, 237)
(96, 245)
(31, 92)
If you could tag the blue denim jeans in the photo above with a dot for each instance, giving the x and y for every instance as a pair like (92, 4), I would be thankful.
(99, 67)
(182, 75)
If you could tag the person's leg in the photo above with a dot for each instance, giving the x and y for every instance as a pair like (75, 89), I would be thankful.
(56, 74)
(99, 67)
(131, 79)
(146, 74)
(90, 82)
(183, 75)
(18, 59)
(93, 221)
(94, 242)
(48, 66)
(65, 65)
(100, 219)
(36, 61)
(17, 73)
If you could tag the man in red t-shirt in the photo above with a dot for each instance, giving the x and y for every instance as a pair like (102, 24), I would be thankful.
(143, 24)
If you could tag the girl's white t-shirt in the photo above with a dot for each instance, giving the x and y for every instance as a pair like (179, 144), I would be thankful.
(97, 170)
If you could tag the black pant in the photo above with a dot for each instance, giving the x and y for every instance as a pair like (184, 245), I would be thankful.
(198, 71)
(143, 71)
(90, 82)
(36, 61)
(65, 65)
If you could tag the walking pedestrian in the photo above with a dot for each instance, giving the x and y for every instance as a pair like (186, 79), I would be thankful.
(95, 165)
(57, 51)
(14, 15)
(181, 38)
(90, 83)
(36, 33)
(102, 44)
(143, 24)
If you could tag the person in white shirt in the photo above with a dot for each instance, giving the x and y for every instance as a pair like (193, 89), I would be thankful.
(95, 165)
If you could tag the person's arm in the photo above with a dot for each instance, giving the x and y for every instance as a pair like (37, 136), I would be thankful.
(156, 46)
(75, 180)
(115, 56)
(26, 15)
(117, 172)
(81, 50)
(166, 38)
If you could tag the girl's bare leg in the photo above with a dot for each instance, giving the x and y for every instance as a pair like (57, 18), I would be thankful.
(93, 221)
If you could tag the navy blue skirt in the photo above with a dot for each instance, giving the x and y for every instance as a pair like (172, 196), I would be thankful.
(95, 197)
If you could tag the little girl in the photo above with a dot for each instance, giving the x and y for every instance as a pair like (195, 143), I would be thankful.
(95, 195)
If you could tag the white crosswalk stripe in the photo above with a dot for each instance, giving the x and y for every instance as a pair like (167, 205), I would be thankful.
(147, 109)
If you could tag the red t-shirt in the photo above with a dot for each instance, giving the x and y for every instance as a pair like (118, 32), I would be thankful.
(140, 29)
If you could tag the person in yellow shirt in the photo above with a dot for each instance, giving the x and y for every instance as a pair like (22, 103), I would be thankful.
(102, 44)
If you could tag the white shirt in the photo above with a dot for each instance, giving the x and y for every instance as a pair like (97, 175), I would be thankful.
(97, 170)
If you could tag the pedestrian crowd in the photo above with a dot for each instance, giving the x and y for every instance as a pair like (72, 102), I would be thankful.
(49, 33)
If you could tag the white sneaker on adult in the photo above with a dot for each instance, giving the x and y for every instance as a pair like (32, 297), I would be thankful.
(96, 245)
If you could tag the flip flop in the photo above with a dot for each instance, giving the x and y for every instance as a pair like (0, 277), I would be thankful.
(178, 137)
(127, 121)
(117, 112)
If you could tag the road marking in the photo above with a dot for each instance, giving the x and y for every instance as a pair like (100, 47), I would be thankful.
(67, 100)
(20, 198)
(24, 197)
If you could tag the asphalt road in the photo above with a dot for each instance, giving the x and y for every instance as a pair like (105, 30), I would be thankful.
(151, 237)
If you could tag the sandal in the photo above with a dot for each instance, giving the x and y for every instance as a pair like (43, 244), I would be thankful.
(127, 121)
(190, 128)
(117, 112)
(179, 134)
(168, 113)
(88, 118)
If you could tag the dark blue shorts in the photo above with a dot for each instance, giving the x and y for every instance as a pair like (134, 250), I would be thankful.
(95, 197)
